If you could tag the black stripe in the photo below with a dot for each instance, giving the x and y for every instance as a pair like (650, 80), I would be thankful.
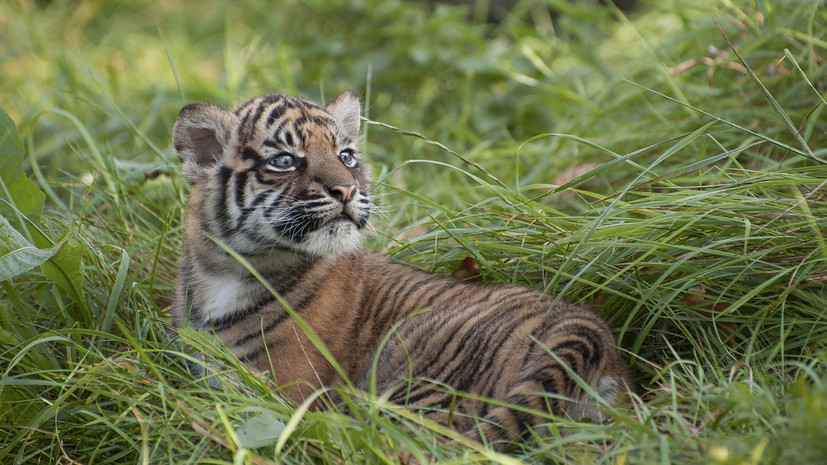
(273, 204)
(220, 212)
(242, 126)
(237, 111)
(258, 113)
(524, 420)
(321, 119)
(483, 359)
(301, 303)
(272, 98)
(197, 318)
(400, 300)
(585, 348)
(546, 380)
(287, 284)
(271, 143)
(321, 202)
(569, 360)
(438, 292)
(376, 308)
(250, 153)
(276, 113)
(305, 195)
(471, 343)
(383, 311)
(282, 287)
(193, 316)
(302, 136)
(300, 121)
(299, 103)
(270, 178)
(261, 332)
(196, 369)
(577, 327)
(240, 185)
(420, 390)
(258, 200)
(263, 251)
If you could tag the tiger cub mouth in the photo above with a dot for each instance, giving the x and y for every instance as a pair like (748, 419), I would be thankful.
(343, 217)
(352, 214)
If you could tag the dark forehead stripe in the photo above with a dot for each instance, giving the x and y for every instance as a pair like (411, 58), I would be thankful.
(309, 132)
(299, 128)
(278, 114)
(257, 114)
(263, 104)
(250, 112)
(289, 119)
(301, 103)
(275, 113)
(314, 122)
(245, 114)
(323, 119)
(281, 105)
(257, 101)
(244, 127)
(244, 106)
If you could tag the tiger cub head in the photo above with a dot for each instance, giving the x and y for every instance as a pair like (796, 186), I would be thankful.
(276, 173)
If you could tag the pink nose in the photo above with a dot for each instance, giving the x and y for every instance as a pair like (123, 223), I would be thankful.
(343, 193)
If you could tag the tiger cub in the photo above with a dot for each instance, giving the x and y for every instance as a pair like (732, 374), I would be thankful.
(280, 181)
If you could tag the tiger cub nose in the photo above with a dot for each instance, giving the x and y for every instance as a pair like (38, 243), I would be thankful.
(343, 194)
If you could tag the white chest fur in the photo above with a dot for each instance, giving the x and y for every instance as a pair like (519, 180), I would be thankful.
(221, 295)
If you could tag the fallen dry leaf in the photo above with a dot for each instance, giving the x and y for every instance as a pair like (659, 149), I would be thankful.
(695, 298)
(468, 270)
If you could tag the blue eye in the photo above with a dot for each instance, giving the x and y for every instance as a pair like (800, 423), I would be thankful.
(283, 162)
(347, 158)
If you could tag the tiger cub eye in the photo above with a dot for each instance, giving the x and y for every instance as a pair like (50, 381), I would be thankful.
(347, 158)
(283, 161)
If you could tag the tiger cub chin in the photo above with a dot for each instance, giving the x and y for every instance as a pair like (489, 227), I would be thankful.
(281, 181)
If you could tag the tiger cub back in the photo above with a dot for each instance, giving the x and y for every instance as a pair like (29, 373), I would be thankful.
(281, 182)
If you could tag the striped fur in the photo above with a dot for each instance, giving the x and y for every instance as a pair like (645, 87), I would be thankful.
(280, 181)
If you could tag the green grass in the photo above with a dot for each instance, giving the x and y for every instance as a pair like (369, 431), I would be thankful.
(633, 162)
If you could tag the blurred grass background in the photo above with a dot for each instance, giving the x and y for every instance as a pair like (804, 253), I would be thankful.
(628, 159)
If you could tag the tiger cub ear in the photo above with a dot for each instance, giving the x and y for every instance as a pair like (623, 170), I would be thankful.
(347, 111)
(200, 136)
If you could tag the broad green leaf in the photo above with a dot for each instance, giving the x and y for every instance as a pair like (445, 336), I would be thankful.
(62, 263)
(17, 189)
(17, 254)
(65, 268)
(260, 431)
